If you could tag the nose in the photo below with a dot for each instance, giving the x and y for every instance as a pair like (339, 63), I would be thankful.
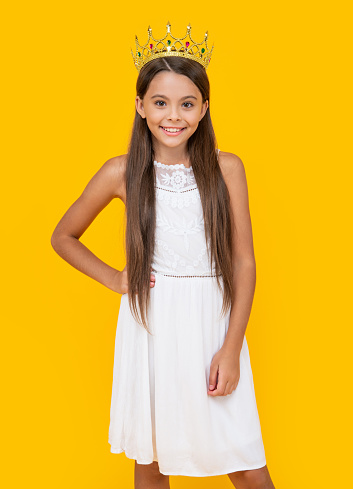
(174, 115)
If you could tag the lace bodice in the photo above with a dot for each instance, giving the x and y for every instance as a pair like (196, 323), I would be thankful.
(180, 244)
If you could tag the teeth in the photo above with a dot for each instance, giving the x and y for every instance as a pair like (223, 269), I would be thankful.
(172, 130)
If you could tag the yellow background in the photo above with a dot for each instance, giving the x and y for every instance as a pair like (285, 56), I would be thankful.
(281, 100)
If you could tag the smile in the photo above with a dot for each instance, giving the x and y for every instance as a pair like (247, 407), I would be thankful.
(172, 131)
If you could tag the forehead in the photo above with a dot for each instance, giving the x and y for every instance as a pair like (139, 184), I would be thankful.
(172, 85)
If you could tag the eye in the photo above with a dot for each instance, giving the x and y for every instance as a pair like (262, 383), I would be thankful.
(163, 102)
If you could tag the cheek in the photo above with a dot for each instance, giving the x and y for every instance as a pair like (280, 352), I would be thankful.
(154, 116)
(194, 120)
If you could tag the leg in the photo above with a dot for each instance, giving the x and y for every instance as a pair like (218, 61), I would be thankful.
(149, 477)
(252, 479)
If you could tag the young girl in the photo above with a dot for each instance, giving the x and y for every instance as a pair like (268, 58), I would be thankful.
(183, 400)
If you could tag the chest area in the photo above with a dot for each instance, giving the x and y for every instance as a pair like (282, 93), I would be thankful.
(177, 196)
(179, 213)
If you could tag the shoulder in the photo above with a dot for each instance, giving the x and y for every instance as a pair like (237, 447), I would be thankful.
(230, 164)
(233, 172)
(114, 171)
(115, 165)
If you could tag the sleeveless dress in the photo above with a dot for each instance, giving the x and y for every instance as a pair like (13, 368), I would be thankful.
(160, 409)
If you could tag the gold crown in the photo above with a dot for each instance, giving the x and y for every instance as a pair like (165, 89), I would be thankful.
(197, 51)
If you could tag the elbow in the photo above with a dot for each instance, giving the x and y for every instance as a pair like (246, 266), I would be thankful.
(248, 265)
(54, 241)
(60, 241)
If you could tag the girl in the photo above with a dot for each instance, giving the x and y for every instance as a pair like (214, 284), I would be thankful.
(183, 400)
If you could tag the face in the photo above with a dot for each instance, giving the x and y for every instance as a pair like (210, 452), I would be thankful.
(172, 101)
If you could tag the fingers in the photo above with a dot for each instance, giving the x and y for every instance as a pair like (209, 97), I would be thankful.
(152, 280)
(223, 388)
(213, 377)
(218, 390)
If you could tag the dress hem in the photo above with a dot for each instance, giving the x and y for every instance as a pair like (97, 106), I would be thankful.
(228, 471)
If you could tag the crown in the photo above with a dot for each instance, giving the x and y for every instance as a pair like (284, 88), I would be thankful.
(174, 46)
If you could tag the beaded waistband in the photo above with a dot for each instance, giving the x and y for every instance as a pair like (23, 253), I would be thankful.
(185, 276)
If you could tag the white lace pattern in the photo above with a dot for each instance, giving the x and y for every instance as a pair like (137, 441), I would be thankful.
(180, 247)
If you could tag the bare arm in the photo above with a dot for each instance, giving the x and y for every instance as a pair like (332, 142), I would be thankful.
(244, 267)
(225, 365)
(106, 184)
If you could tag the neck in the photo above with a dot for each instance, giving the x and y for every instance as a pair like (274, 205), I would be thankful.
(172, 156)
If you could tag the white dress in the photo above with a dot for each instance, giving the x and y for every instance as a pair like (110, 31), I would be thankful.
(160, 409)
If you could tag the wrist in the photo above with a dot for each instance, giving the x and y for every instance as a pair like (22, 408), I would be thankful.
(115, 281)
(233, 349)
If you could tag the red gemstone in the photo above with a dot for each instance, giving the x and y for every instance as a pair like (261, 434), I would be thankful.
(151, 46)
(187, 44)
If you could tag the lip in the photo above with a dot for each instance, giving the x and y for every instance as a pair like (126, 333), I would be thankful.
(173, 133)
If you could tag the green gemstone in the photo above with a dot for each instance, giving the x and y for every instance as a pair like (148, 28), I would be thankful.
(139, 53)
(169, 41)
(202, 50)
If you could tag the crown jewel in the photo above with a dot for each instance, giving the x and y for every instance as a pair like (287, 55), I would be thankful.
(173, 46)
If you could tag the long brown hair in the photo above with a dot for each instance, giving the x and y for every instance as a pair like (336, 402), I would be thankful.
(140, 212)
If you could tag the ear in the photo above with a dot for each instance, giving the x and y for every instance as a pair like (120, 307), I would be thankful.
(139, 107)
(204, 108)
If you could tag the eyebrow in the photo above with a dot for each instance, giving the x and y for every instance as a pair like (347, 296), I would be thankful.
(182, 98)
